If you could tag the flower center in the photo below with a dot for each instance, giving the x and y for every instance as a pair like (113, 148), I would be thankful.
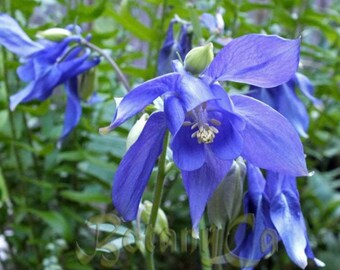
(206, 130)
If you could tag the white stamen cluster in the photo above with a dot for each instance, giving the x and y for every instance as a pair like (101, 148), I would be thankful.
(206, 133)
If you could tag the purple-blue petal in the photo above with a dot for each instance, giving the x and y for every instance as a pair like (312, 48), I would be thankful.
(172, 47)
(174, 112)
(201, 183)
(73, 108)
(42, 87)
(307, 89)
(14, 39)
(228, 142)
(188, 154)
(264, 61)
(270, 141)
(283, 99)
(193, 91)
(143, 95)
(136, 167)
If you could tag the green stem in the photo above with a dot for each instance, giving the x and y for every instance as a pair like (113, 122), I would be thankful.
(114, 65)
(157, 197)
(204, 247)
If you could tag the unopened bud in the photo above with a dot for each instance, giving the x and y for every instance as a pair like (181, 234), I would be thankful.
(87, 83)
(225, 204)
(54, 34)
(199, 58)
(136, 130)
(161, 226)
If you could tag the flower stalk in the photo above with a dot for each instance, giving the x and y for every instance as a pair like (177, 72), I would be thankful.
(114, 65)
(155, 206)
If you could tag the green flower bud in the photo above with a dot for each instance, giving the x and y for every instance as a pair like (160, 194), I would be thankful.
(54, 34)
(199, 58)
(136, 130)
(225, 204)
(87, 83)
(161, 226)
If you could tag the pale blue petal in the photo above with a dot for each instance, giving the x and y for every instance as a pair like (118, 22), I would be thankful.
(285, 213)
(307, 89)
(270, 141)
(15, 39)
(265, 61)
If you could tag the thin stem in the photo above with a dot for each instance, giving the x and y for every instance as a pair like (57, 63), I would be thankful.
(114, 65)
(157, 197)
(204, 247)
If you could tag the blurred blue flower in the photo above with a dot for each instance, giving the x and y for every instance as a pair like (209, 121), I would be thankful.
(284, 99)
(215, 24)
(46, 65)
(274, 201)
(173, 47)
(209, 128)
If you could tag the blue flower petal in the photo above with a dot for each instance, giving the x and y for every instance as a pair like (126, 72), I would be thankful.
(26, 72)
(265, 61)
(135, 168)
(171, 48)
(166, 53)
(228, 142)
(73, 108)
(193, 91)
(188, 154)
(252, 246)
(141, 96)
(174, 112)
(200, 185)
(283, 99)
(285, 212)
(42, 87)
(270, 141)
(307, 89)
(209, 21)
(15, 39)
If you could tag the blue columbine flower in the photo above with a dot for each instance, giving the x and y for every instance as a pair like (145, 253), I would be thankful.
(284, 99)
(173, 47)
(215, 24)
(275, 204)
(209, 129)
(46, 65)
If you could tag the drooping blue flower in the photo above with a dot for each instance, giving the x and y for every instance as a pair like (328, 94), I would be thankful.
(172, 47)
(47, 65)
(209, 129)
(284, 99)
(274, 201)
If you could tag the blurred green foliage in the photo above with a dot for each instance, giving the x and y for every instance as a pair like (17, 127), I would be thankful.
(48, 195)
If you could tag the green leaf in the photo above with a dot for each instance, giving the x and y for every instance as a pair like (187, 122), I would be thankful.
(55, 220)
(4, 196)
(85, 196)
(131, 24)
